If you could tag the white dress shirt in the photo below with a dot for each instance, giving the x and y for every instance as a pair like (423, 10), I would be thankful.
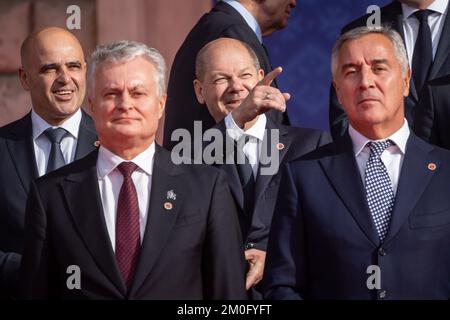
(252, 149)
(110, 182)
(392, 157)
(251, 21)
(42, 144)
(435, 21)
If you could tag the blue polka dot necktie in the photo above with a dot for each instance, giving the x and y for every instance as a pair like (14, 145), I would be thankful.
(379, 194)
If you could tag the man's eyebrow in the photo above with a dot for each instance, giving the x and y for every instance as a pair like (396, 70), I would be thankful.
(379, 61)
(74, 63)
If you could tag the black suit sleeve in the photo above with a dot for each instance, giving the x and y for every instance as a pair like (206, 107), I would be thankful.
(223, 262)
(285, 253)
(34, 273)
(9, 270)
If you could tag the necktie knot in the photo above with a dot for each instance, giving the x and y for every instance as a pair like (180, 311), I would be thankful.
(127, 168)
(55, 135)
(422, 15)
(378, 147)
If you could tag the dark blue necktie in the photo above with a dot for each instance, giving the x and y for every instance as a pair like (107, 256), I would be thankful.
(423, 51)
(245, 172)
(56, 158)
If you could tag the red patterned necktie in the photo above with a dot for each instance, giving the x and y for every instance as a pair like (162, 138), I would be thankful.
(128, 239)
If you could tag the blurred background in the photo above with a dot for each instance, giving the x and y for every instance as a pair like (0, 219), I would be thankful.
(303, 49)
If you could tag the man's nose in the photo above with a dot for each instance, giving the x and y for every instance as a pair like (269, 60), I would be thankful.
(236, 84)
(63, 76)
(366, 78)
(124, 101)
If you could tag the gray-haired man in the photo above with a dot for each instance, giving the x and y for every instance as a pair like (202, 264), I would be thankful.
(125, 222)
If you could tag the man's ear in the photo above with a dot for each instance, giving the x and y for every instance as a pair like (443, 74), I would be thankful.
(90, 105)
(198, 87)
(162, 105)
(407, 80)
(337, 90)
(260, 74)
(24, 79)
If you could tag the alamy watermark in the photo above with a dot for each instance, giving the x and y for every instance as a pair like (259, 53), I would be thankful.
(213, 147)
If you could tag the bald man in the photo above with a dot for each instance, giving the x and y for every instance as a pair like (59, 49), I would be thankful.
(231, 85)
(54, 133)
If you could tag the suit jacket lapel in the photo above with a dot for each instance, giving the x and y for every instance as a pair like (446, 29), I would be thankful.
(342, 171)
(21, 149)
(86, 137)
(414, 178)
(443, 50)
(162, 214)
(262, 181)
(84, 202)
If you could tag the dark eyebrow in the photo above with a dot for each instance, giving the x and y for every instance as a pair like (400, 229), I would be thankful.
(73, 64)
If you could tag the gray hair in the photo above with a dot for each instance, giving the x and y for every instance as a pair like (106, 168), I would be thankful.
(124, 50)
(200, 60)
(387, 31)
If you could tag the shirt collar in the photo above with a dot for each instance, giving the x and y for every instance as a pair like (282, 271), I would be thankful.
(256, 131)
(400, 138)
(108, 161)
(439, 6)
(71, 125)
(251, 21)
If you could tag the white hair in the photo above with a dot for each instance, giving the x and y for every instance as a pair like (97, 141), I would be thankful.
(387, 31)
(122, 51)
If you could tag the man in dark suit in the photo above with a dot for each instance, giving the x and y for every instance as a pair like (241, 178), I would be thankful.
(53, 70)
(245, 20)
(428, 104)
(366, 217)
(134, 225)
(237, 95)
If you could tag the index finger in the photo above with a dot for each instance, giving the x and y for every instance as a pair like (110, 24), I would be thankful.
(268, 79)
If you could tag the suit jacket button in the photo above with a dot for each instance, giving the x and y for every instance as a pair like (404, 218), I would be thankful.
(382, 252)
(382, 294)
(249, 245)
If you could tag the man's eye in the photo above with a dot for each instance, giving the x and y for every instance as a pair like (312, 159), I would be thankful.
(379, 69)
(246, 76)
(110, 94)
(138, 94)
(220, 80)
(350, 72)
(49, 70)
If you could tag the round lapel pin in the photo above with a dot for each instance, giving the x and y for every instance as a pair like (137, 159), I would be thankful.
(96, 143)
(431, 166)
(168, 206)
(280, 146)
